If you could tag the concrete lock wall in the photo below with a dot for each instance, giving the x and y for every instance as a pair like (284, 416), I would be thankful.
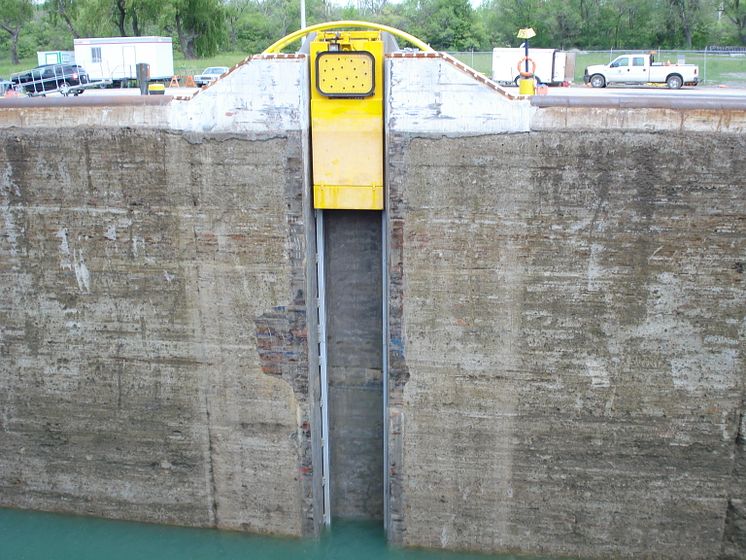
(567, 328)
(564, 299)
(153, 320)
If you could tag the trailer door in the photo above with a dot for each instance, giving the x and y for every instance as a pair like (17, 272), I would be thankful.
(128, 61)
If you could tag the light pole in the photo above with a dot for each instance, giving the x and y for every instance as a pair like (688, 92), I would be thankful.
(302, 14)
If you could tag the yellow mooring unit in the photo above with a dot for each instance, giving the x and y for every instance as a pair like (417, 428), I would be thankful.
(347, 120)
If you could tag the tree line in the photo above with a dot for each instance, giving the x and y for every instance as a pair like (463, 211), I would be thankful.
(204, 27)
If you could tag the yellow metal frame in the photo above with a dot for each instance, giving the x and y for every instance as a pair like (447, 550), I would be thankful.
(346, 70)
(292, 37)
(347, 120)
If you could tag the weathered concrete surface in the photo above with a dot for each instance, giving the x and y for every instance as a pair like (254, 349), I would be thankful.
(652, 119)
(432, 93)
(265, 94)
(152, 327)
(567, 327)
(74, 114)
(566, 317)
(354, 357)
(153, 312)
(734, 536)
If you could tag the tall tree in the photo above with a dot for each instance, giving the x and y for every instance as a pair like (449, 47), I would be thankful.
(685, 13)
(14, 14)
(235, 11)
(444, 24)
(65, 10)
(120, 16)
(142, 13)
(735, 11)
(200, 26)
(503, 19)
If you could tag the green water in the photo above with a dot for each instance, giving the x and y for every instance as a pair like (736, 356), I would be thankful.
(43, 536)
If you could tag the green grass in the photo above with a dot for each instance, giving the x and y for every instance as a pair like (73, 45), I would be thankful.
(6, 68)
(183, 67)
(480, 61)
(720, 69)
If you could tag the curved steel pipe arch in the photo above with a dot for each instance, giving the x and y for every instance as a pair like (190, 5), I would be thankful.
(289, 39)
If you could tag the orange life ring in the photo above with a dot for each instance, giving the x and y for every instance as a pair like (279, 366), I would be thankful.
(522, 72)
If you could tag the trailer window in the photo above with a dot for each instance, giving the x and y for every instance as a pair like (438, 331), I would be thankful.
(95, 54)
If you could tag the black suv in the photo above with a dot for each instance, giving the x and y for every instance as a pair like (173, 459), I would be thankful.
(51, 77)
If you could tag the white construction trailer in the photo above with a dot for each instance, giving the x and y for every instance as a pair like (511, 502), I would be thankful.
(55, 57)
(553, 67)
(115, 58)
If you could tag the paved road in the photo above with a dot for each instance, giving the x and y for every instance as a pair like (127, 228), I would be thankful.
(687, 98)
(632, 91)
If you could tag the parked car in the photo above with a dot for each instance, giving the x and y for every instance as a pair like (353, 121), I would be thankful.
(209, 75)
(51, 77)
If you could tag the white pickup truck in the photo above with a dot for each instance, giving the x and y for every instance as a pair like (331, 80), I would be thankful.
(641, 69)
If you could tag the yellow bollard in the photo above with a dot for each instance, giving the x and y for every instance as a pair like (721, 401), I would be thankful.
(526, 86)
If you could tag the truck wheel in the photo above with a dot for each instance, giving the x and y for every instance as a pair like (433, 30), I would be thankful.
(674, 81)
(598, 81)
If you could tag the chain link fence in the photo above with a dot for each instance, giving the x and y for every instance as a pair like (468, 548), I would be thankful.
(718, 66)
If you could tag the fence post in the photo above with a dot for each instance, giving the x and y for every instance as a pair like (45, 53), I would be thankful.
(704, 76)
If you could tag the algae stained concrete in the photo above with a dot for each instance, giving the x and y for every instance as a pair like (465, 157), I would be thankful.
(570, 375)
(565, 317)
(153, 311)
(566, 323)
(141, 272)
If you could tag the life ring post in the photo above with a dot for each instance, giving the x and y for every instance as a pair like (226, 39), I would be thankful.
(526, 81)
(526, 84)
(526, 73)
